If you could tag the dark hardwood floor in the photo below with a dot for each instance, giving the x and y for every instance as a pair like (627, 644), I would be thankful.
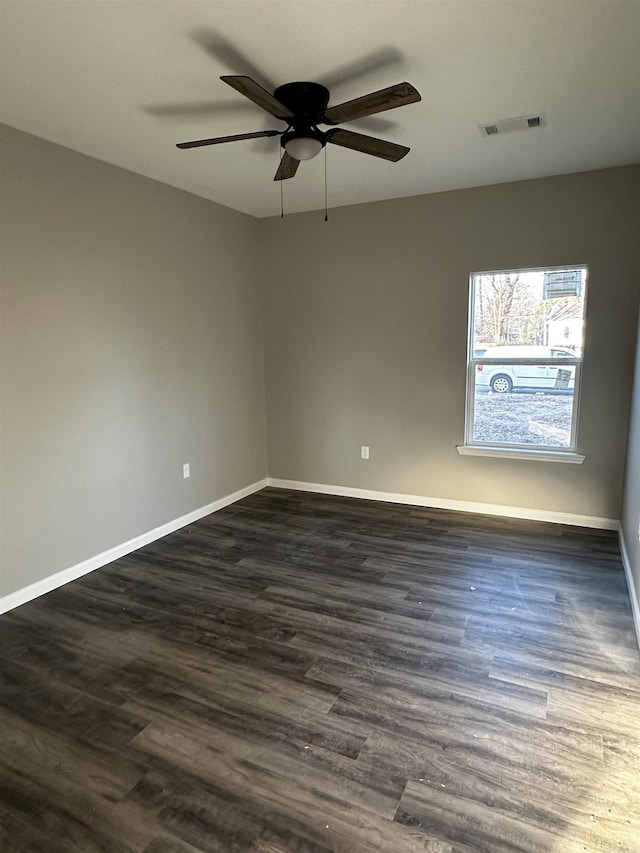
(308, 673)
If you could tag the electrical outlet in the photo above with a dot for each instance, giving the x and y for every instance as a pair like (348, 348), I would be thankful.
(186, 471)
(364, 452)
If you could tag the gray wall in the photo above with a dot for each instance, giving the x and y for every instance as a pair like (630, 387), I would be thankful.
(365, 337)
(131, 343)
(631, 506)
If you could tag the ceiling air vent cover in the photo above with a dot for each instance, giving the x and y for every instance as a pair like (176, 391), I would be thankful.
(508, 125)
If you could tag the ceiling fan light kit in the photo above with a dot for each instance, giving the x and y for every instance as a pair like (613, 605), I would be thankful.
(303, 106)
(303, 144)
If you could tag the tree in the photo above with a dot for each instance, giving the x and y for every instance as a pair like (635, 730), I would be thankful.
(506, 311)
(563, 308)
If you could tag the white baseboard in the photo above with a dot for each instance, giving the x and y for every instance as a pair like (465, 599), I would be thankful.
(446, 503)
(34, 590)
(633, 592)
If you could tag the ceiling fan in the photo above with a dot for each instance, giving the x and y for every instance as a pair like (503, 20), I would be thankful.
(303, 106)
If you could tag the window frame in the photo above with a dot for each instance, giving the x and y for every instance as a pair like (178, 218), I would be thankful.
(472, 446)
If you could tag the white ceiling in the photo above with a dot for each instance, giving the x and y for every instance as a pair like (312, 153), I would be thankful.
(104, 77)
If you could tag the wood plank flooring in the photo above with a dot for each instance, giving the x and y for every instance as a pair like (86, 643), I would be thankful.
(301, 673)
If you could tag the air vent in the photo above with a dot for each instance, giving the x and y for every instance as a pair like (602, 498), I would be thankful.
(509, 125)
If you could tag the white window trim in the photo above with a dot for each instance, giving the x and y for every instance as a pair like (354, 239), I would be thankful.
(540, 453)
(520, 452)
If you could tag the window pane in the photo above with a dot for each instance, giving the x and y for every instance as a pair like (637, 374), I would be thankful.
(528, 309)
(523, 417)
(522, 324)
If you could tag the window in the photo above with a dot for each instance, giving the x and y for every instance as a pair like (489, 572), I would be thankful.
(526, 330)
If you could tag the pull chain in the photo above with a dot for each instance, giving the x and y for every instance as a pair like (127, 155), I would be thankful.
(281, 193)
(281, 182)
(326, 214)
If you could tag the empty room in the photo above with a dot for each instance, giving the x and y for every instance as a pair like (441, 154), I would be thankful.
(320, 426)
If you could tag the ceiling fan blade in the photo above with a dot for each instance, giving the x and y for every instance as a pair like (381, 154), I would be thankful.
(367, 144)
(366, 64)
(194, 109)
(254, 91)
(287, 168)
(376, 125)
(197, 143)
(376, 102)
(224, 51)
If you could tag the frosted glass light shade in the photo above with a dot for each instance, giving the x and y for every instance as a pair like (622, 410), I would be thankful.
(303, 147)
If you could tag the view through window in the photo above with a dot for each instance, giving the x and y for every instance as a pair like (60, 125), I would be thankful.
(525, 357)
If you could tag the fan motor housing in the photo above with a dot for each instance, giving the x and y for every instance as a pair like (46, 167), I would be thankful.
(306, 101)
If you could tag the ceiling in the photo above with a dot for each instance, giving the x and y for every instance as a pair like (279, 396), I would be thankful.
(110, 78)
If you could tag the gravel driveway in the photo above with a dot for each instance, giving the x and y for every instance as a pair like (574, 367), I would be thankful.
(524, 418)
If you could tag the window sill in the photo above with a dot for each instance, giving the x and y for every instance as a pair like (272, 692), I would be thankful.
(520, 453)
